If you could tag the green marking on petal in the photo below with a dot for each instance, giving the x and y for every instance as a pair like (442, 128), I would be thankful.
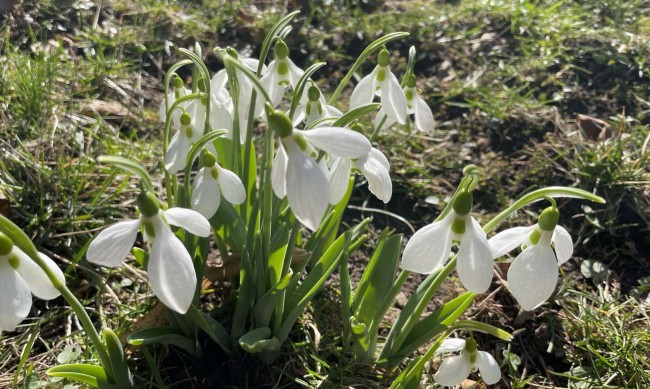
(215, 172)
(302, 143)
(148, 229)
(381, 74)
(14, 261)
(535, 235)
(458, 225)
(283, 68)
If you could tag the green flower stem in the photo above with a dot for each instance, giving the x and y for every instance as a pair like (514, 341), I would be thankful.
(541, 194)
(206, 82)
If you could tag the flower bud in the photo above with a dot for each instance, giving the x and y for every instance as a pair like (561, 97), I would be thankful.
(148, 204)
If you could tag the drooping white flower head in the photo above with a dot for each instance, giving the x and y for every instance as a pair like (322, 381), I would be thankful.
(429, 247)
(20, 277)
(211, 182)
(313, 107)
(533, 275)
(415, 104)
(280, 74)
(454, 370)
(381, 82)
(178, 92)
(297, 175)
(375, 168)
(180, 144)
(170, 268)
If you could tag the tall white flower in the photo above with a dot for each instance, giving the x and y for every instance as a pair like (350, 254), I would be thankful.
(280, 74)
(454, 370)
(20, 277)
(415, 104)
(533, 275)
(178, 92)
(374, 166)
(381, 82)
(211, 182)
(179, 146)
(170, 267)
(429, 247)
(313, 107)
(297, 175)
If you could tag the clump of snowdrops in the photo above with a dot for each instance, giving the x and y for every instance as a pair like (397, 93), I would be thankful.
(276, 217)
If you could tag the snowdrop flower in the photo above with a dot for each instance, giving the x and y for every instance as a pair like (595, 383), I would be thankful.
(381, 82)
(297, 175)
(179, 146)
(454, 370)
(533, 275)
(211, 182)
(315, 107)
(281, 72)
(170, 267)
(178, 92)
(374, 166)
(429, 247)
(20, 277)
(415, 105)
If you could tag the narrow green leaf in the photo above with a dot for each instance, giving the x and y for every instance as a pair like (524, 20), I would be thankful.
(483, 327)
(211, 327)
(162, 335)
(230, 226)
(128, 165)
(355, 114)
(258, 341)
(85, 373)
(266, 304)
(121, 372)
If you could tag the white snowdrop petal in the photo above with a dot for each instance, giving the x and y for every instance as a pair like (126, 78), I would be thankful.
(393, 100)
(451, 345)
(16, 299)
(307, 189)
(196, 110)
(339, 179)
(488, 367)
(36, 278)
(338, 140)
(377, 174)
(279, 173)
(508, 240)
(220, 118)
(111, 246)
(218, 85)
(364, 92)
(295, 73)
(453, 370)
(205, 196)
(332, 111)
(428, 249)
(563, 244)
(378, 156)
(532, 277)
(177, 151)
(171, 271)
(423, 116)
(231, 186)
(475, 263)
(189, 220)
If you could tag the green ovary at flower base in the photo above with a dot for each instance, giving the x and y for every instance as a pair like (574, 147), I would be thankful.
(20, 277)
(170, 267)
(533, 275)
